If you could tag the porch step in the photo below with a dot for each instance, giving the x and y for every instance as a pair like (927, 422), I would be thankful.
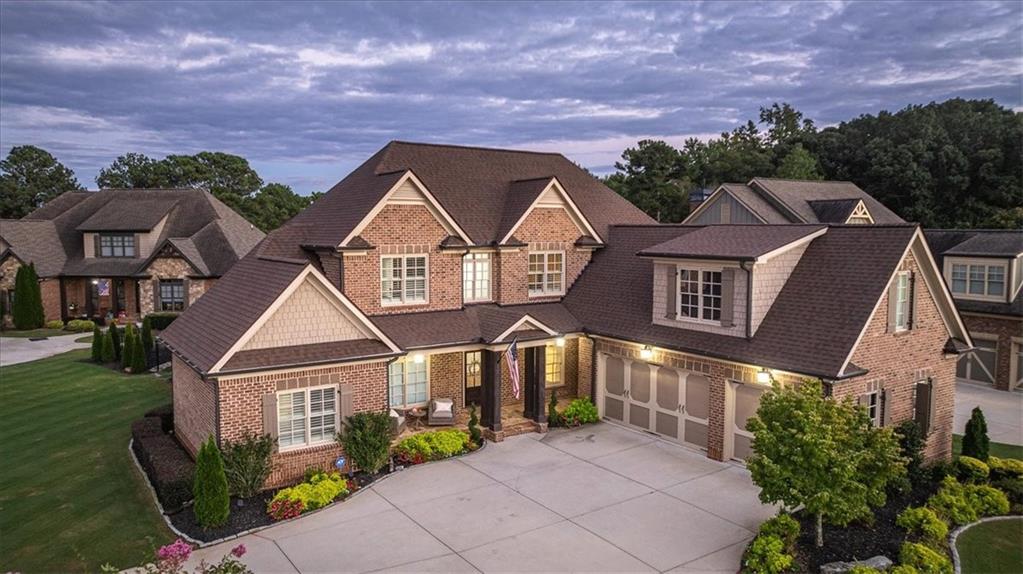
(523, 427)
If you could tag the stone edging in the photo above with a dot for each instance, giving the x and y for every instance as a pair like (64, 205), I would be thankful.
(201, 544)
(955, 535)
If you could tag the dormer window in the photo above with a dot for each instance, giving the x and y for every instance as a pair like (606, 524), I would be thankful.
(116, 245)
(978, 280)
(699, 294)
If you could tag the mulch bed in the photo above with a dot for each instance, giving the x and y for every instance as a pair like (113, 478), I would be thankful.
(857, 541)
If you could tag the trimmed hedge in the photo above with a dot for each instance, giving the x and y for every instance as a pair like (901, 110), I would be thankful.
(165, 462)
(166, 415)
(161, 320)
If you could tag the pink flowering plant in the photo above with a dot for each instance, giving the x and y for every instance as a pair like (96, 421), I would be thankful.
(171, 558)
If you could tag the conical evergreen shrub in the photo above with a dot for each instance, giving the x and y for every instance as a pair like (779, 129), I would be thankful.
(107, 353)
(128, 348)
(147, 335)
(115, 337)
(138, 357)
(97, 345)
(212, 501)
(975, 439)
(36, 293)
(26, 298)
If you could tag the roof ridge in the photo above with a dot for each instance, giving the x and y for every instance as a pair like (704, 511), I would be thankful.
(802, 180)
(481, 148)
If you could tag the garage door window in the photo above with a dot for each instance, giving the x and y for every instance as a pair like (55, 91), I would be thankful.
(747, 401)
(979, 365)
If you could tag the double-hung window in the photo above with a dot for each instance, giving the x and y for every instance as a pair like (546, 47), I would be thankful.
(699, 294)
(407, 384)
(978, 280)
(403, 280)
(172, 295)
(476, 276)
(903, 296)
(306, 417)
(554, 365)
(546, 273)
(116, 245)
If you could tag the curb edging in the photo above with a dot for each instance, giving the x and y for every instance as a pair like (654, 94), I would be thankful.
(955, 535)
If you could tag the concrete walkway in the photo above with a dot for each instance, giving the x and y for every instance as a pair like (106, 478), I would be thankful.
(595, 499)
(1003, 411)
(14, 350)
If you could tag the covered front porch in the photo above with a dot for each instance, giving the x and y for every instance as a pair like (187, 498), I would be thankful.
(100, 299)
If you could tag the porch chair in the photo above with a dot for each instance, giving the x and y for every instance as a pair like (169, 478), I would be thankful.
(441, 412)
(397, 422)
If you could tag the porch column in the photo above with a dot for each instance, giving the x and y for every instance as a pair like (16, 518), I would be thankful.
(491, 383)
(536, 384)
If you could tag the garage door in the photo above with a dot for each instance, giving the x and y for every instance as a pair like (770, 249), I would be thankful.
(979, 366)
(745, 404)
(670, 402)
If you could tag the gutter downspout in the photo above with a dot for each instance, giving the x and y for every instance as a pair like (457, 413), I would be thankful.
(749, 296)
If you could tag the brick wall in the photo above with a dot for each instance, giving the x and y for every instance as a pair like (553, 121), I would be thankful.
(897, 361)
(396, 230)
(241, 409)
(585, 371)
(1005, 328)
(195, 406)
(447, 379)
(49, 289)
(76, 292)
(545, 229)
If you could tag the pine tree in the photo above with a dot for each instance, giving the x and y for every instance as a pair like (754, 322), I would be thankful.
(128, 348)
(975, 439)
(97, 345)
(138, 357)
(107, 354)
(147, 335)
(212, 502)
(115, 337)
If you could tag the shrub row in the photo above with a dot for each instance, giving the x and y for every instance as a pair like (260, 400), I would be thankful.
(773, 549)
(319, 490)
(168, 466)
(433, 445)
(161, 320)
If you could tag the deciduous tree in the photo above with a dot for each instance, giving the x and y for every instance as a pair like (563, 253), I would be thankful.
(29, 177)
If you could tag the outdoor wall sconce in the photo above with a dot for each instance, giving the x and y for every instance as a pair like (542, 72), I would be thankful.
(646, 353)
(560, 341)
(764, 377)
(418, 358)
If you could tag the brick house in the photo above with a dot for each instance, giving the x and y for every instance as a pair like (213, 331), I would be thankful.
(123, 253)
(410, 278)
(984, 271)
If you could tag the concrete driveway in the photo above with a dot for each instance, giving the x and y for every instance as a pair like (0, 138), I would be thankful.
(595, 499)
(14, 350)
(1003, 411)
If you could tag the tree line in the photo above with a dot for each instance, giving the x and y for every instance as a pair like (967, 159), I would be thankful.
(31, 176)
(955, 164)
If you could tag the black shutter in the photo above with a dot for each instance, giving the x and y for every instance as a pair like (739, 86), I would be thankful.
(670, 290)
(95, 245)
(922, 413)
(727, 296)
(156, 295)
(911, 320)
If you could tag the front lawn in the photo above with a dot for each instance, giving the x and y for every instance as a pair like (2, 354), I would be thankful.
(998, 449)
(35, 333)
(992, 547)
(72, 498)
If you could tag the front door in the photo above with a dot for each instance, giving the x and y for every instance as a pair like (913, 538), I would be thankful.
(473, 369)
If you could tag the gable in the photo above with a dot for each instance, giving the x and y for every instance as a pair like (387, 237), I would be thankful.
(554, 197)
(723, 208)
(306, 317)
(526, 323)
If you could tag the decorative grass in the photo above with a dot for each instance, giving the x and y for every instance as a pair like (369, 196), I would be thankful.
(994, 547)
(72, 499)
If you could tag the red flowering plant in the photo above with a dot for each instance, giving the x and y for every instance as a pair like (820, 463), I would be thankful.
(284, 508)
(171, 558)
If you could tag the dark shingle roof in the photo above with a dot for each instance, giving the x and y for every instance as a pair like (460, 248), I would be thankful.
(833, 210)
(804, 331)
(990, 244)
(34, 241)
(129, 214)
(307, 354)
(794, 197)
(995, 243)
(731, 242)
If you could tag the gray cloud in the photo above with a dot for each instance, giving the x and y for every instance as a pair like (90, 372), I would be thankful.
(306, 91)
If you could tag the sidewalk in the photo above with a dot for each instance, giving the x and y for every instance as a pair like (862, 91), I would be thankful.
(1003, 411)
(14, 350)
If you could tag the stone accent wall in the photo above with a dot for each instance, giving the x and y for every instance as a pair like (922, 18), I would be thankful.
(307, 317)
(545, 229)
(241, 409)
(897, 361)
(447, 377)
(1005, 328)
(168, 268)
(195, 406)
(397, 230)
(739, 289)
(769, 278)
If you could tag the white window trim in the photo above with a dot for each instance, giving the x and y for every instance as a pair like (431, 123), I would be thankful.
(950, 262)
(679, 267)
(556, 350)
(404, 384)
(545, 292)
(907, 304)
(404, 302)
(471, 257)
(874, 395)
(308, 405)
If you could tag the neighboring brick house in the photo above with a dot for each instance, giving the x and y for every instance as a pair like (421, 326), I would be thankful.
(984, 271)
(124, 253)
(411, 277)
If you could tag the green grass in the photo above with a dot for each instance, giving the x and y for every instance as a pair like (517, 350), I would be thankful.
(85, 339)
(35, 333)
(71, 497)
(992, 547)
(998, 449)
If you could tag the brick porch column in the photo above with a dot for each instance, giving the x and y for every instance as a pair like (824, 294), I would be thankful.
(491, 383)
(536, 391)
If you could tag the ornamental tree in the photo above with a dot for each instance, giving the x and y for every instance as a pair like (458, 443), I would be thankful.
(97, 344)
(27, 311)
(822, 454)
(129, 346)
(975, 440)
(212, 501)
(138, 356)
(147, 335)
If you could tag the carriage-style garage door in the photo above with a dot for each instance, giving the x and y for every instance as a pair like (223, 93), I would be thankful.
(670, 402)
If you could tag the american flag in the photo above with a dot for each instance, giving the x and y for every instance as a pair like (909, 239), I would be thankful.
(512, 356)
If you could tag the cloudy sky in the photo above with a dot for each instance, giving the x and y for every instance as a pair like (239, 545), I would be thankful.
(307, 91)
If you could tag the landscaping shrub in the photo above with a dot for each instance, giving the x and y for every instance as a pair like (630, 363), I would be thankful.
(160, 320)
(964, 503)
(766, 555)
(80, 326)
(106, 354)
(923, 523)
(580, 412)
(554, 418)
(97, 345)
(247, 463)
(860, 569)
(1013, 489)
(975, 440)
(1005, 467)
(166, 415)
(165, 462)
(924, 559)
(129, 347)
(903, 569)
(171, 559)
(783, 527)
(366, 439)
(138, 355)
(116, 337)
(432, 445)
(988, 500)
(320, 490)
(55, 324)
(911, 445)
(212, 502)
(475, 435)
(147, 335)
(971, 470)
(27, 312)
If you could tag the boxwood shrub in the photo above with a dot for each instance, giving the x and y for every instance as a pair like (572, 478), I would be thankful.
(432, 445)
(924, 559)
(162, 319)
(166, 415)
(971, 470)
(80, 325)
(165, 462)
